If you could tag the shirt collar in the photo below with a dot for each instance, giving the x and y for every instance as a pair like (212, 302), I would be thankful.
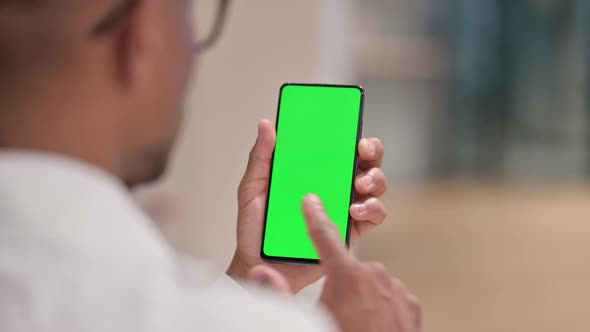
(54, 197)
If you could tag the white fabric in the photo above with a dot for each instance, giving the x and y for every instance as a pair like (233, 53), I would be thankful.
(76, 254)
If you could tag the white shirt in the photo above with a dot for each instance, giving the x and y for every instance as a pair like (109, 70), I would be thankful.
(77, 254)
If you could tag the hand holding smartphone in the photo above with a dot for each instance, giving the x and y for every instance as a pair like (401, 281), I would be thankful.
(318, 131)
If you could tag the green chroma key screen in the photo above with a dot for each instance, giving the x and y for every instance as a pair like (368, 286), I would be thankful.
(318, 128)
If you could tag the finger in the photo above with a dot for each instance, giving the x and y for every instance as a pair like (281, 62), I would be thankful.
(364, 222)
(372, 182)
(398, 287)
(267, 277)
(371, 210)
(379, 271)
(261, 154)
(415, 309)
(324, 234)
(371, 151)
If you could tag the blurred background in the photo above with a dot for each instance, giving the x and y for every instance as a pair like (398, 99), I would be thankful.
(483, 106)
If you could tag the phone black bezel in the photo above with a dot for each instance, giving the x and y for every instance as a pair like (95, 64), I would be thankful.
(307, 261)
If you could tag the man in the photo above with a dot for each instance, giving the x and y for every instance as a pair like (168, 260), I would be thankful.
(89, 105)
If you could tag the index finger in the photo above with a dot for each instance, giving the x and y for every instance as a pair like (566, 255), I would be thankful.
(324, 234)
(371, 151)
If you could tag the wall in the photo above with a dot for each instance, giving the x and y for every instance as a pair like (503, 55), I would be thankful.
(490, 258)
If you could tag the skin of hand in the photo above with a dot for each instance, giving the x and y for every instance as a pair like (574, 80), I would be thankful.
(367, 212)
(360, 296)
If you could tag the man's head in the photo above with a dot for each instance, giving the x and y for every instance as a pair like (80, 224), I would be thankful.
(101, 81)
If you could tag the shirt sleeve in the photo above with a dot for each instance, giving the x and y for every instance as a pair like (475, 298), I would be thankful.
(225, 282)
(258, 309)
(235, 307)
(224, 304)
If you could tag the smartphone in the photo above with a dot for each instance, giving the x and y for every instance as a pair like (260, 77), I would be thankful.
(318, 131)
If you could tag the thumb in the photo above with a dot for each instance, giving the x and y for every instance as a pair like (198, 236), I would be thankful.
(268, 277)
(261, 154)
(324, 234)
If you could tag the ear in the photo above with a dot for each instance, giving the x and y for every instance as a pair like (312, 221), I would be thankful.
(141, 44)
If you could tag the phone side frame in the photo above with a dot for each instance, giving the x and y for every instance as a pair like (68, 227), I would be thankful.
(307, 261)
